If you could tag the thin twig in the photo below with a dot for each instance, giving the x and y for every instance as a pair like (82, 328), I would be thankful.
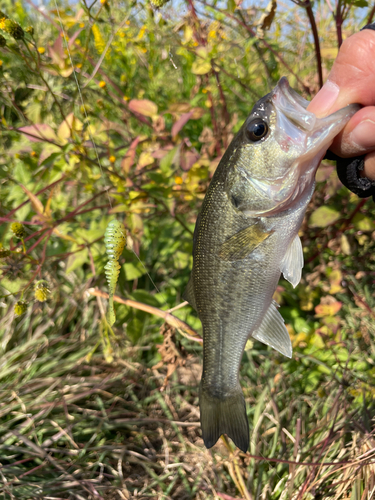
(314, 29)
(371, 15)
(169, 318)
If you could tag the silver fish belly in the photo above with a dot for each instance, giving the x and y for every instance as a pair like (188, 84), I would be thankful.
(246, 235)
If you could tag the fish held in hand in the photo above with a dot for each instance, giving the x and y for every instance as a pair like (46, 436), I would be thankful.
(245, 236)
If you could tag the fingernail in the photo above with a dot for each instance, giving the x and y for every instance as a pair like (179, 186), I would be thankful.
(324, 99)
(363, 135)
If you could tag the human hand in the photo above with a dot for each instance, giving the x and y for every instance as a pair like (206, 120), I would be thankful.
(352, 80)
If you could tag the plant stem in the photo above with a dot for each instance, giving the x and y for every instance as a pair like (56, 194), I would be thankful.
(314, 29)
(371, 15)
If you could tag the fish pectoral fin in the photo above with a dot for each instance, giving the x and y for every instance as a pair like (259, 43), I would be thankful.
(292, 263)
(189, 293)
(272, 331)
(243, 243)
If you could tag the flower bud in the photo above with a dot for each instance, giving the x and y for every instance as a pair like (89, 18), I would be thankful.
(18, 230)
(20, 307)
(41, 291)
(13, 28)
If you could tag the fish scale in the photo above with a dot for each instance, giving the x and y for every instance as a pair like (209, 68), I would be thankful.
(247, 235)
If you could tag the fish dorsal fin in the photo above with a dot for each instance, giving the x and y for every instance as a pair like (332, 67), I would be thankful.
(272, 331)
(292, 263)
(189, 293)
(241, 244)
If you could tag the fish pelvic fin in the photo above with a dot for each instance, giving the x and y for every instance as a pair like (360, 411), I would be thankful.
(224, 416)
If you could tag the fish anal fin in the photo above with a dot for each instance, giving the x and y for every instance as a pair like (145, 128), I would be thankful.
(189, 293)
(243, 243)
(292, 263)
(272, 331)
(225, 415)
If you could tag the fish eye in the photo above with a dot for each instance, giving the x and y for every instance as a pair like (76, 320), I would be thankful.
(256, 130)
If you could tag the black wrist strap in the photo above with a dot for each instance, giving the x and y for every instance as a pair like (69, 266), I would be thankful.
(348, 169)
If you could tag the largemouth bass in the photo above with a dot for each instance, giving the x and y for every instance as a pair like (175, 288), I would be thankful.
(246, 235)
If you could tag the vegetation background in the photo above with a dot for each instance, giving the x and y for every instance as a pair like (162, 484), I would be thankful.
(123, 109)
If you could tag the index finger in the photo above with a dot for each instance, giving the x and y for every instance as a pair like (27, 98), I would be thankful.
(352, 78)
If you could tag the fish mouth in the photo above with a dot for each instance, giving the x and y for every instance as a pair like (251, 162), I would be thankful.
(302, 126)
(305, 138)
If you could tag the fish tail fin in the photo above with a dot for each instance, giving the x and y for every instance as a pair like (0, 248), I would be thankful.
(224, 416)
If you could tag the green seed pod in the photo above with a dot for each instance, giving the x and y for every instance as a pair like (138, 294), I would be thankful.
(30, 30)
(20, 307)
(13, 28)
(41, 291)
(18, 230)
(115, 241)
(3, 41)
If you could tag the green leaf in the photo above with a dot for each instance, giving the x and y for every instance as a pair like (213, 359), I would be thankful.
(133, 270)
(323, 217)
(145, 297)
(201, 67)
(13, 286)
(77, 260)
(134, 329)
(363, 223)
(167, 161)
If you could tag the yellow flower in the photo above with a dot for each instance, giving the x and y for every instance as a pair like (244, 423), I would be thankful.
(18, 230)
(20, 307)
(159, 3)
(112, 159)
(102, 84)
(178, 180)
(41, 291)
(41, 50)
(99, 40)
